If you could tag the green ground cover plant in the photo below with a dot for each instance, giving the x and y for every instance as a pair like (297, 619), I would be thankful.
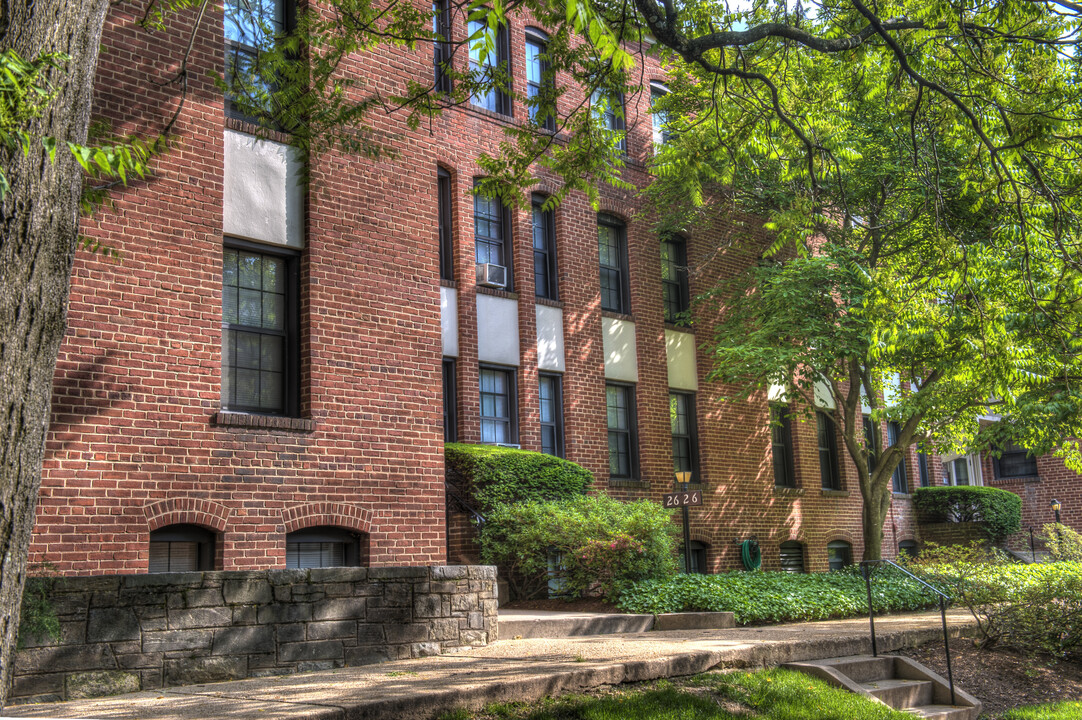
(770, 597)
(495, 475)
(1051, 711)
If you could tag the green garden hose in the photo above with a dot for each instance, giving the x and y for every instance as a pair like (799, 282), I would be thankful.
(751, 555)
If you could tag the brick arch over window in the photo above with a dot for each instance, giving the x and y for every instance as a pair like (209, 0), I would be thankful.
(351, 517)
(619, 210)
(187, 511)
(840, 535)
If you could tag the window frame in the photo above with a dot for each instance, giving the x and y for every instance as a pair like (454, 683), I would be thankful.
(547, 84)
(204, 538)
(924, 470)
(448, 368)
(1011, 449)
(631, 432)
(557, 411)
(792, 545)
(548, 259)
(502, 104)
(505, 245)
(781, 439)
(680, 287)
(830, 473)
(350, 539)
(611, 120)
(291, 372)
(511, 378)
(287, 23)
(692, 436)
(872, 443)
(446, 224)
(441, 48)
(900, 476)
(838, 545)
(661, 136)
(621, 272)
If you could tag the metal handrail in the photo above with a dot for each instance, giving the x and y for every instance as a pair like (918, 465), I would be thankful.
(866, 570)
(458, 496)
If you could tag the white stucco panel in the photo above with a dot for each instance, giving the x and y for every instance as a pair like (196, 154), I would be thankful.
(892, 389)
(823, 397)
(621, 361)
(497, 330)
(449, 321)
(264, 196)
(680, 355)
(550, 338)
(777, 393)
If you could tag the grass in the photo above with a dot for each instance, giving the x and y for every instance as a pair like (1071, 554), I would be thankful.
(765, 695)
(1051, 711)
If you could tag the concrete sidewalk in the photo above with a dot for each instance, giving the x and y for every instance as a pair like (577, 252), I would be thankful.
(507, 670)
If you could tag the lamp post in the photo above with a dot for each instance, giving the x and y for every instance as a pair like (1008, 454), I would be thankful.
(1055, 508)
(683, 479)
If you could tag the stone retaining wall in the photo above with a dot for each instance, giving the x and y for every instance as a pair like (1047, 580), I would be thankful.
(140, 632)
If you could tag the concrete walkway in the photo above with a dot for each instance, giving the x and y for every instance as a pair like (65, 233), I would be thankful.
(523, 670)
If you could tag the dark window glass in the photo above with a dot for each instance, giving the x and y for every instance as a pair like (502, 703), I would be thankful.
(623, 443)
(957, 471)
(492, 232)
(544, 251)
(901, 484)
(609, 112)
(907, 549)
(450, 400)
(539, 84)
(839, 554)
(491, 66)
(792, 557)
(698, 558)
(828, 452)
(1015, 461)
(925, 470)
(447, 244)
(318, 547)
(871, 444)
(612, 248)
(251, 27)
(181, 548)
(674, 280)
(685, 440)
(441, 47)
(659, 118)
(259, 348)
(781, 440)
(497, 406)
(552, 415)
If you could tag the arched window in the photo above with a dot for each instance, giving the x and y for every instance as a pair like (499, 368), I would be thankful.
(792, 556)
(907, 549)
(317, 547)
(181, 548)
(839, 554)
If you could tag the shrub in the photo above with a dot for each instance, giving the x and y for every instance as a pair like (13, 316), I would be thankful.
(1063, 543)
(1000, 511)
(495, 475)
(37, 618)
(770, 597)
(585, 545)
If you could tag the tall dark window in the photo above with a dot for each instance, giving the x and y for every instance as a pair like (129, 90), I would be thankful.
(498, 406)
(685, 437)
(901, 484)
(447, 243)
(181, 548)
(623, 440)
(674, 279)
(956, 472)
(828, 451)
(871, 443)
(1015, 461)
(781, 442)
(612, 248)
(251, 27)
(659, 118)
(609, 113)
(539, 84)
(492, 233)
(450, 401)
(317, 547)
(544, 251)
(441, 46)
(493, 67)
(552, 414)
(260, 366)
(839, 554)
(925, 469)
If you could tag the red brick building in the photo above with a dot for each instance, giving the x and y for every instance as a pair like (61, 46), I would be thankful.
(267, 376)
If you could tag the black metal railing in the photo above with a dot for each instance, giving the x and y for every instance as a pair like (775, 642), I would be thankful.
(867, 568)
(459, 499)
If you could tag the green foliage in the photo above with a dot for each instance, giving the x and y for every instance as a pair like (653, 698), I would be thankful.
(1063, 543)
(37, 618)
(495, 475)
(772, 597)
(536, 542)
(999, 511)
(1068, 710)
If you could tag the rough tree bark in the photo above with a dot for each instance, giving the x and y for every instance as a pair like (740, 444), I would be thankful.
(38, 233)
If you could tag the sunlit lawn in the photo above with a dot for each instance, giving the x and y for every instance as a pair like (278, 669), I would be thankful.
(1051, 711)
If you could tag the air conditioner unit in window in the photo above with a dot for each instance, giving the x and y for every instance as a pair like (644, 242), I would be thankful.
(491, 275)
(513, 446)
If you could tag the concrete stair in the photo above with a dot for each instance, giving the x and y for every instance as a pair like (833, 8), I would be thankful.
(532, 624)
(896, 681)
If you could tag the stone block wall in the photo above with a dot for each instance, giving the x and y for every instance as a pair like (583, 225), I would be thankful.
(141, 632)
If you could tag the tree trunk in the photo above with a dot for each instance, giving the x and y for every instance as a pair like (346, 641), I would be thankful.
(875, 502)
(38, 232)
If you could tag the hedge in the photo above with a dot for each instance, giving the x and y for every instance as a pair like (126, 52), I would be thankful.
(495, 475)
(1000, 511)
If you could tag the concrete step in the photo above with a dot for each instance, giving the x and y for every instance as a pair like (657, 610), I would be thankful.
(858, 668)
(520, 624)
(942, 712)
(900, 693)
